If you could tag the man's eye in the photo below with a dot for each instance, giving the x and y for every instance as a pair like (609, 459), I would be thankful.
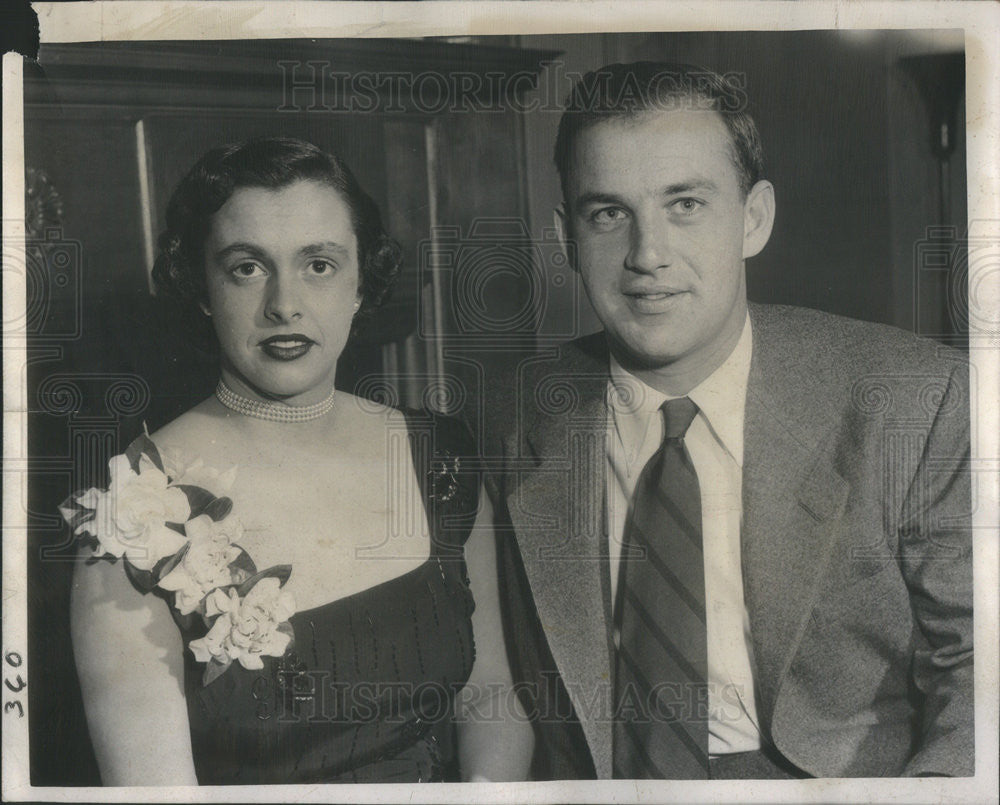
(686, 206)
(608, 215)
(247, 270)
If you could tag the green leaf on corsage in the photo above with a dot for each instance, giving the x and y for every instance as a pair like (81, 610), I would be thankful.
(279, 572)
(215, 668)
(286, 628)
(168, 563)
(242, 567)
(143, 580)
(140, 446)
(74, 512)
(198, 499)
(219, 509)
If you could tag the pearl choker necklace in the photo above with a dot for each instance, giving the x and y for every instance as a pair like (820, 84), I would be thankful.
(272, 412)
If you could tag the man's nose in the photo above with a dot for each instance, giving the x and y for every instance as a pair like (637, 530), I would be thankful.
(284, 298)
(650, 246)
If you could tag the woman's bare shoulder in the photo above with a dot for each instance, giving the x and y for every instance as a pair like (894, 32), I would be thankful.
(366, 415)
(364, 428)
(191, 431)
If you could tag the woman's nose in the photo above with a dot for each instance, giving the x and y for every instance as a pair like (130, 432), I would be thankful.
(284, 299)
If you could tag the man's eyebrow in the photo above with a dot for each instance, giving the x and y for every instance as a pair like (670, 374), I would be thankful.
(687, 186)
(585, 199)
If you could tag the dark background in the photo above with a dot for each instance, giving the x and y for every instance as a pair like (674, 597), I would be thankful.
(851, 124)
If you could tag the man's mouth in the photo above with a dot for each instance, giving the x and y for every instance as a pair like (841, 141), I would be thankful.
(286, 347)
(653, 301)
(652, 296)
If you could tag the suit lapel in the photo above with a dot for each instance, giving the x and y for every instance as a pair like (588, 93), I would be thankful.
(791, 494)
(557, 510)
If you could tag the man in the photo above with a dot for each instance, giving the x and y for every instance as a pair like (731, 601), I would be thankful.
(735, 539)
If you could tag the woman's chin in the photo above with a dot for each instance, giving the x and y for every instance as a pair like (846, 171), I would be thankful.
(293, 391)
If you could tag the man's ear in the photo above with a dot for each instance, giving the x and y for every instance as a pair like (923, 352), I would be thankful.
(758, 218)
(559, 220)
(205, 308)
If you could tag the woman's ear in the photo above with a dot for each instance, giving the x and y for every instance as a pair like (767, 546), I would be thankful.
(758, 218)
(205, 309)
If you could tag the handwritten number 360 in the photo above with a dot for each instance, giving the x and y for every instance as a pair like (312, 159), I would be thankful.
(14, 660)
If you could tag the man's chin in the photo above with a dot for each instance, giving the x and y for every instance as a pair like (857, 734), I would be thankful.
(644, 357)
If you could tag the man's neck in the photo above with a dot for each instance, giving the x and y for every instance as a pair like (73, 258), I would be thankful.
(679, 377)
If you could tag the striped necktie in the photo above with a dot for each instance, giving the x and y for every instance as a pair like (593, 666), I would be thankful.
(661, 683)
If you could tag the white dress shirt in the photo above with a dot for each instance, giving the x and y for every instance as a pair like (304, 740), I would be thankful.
(715, 443)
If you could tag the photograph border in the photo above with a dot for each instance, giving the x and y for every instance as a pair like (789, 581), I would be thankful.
(233, 19)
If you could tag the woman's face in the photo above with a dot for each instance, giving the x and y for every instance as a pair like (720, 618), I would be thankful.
(281, 267)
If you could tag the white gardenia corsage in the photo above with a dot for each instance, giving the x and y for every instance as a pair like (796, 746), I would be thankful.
(181, 538)
(247, 628)
(130, 518)
(205, 562)
(196, 473)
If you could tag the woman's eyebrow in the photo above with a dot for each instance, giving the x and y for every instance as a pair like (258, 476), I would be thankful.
(240, 247)
(325, 246)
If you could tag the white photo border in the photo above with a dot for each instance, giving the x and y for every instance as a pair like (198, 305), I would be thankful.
(228, 19)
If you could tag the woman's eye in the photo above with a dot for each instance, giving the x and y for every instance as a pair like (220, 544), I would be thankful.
(322, 267)
(247, 270)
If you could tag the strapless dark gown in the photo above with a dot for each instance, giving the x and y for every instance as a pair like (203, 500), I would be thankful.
(367, 692)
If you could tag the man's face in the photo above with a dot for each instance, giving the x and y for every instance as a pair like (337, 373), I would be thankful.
(661, 227)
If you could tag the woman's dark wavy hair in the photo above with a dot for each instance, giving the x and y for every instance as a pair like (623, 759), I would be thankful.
(269, 162)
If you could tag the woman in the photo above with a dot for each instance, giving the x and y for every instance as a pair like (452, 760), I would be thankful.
(350, 666)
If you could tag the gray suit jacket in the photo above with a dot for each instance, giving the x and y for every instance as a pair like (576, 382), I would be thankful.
(856, 548)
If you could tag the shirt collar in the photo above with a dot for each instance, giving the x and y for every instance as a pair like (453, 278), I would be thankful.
(720, 397)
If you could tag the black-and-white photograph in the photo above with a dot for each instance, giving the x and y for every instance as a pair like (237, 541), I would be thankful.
(500, 408)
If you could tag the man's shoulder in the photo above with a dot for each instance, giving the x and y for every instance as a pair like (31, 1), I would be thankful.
(583, 356)
(524, 386)
(586, 355)
(825, 341)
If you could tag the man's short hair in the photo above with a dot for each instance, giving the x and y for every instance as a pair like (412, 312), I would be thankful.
(626, 90)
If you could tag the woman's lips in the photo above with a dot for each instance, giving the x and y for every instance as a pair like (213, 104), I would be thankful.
(286, 347)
